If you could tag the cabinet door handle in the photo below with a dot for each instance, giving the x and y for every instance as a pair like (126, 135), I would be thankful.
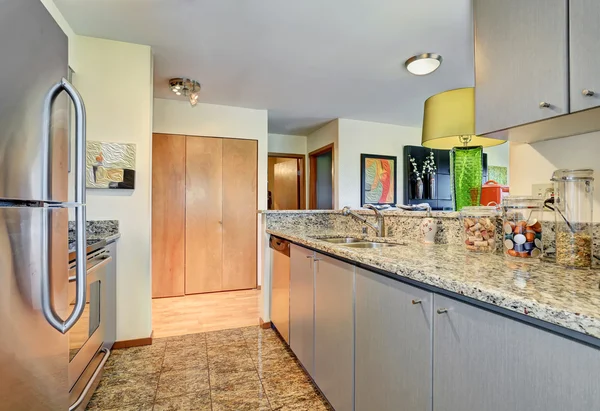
(416, 302)
(442, 310)
(316, 259)
(587, 93)
(309, 256)
(543, 104)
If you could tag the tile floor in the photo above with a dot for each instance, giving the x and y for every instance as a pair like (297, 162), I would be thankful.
(237, 369)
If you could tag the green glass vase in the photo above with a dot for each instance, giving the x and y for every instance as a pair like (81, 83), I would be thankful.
(466, 169)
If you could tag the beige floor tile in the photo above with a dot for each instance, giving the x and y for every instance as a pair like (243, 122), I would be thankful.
(239, 401)
(181, 382)
(189, 402)
(231, 363)
(235, 381)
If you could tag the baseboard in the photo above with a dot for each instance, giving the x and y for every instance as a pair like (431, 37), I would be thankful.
(133, 343)
(263, 324)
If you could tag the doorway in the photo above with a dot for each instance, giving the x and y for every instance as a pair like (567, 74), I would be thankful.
(286, 182)
(321, 178)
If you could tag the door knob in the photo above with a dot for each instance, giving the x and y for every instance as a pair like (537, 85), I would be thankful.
(442, 311)
(543, 104)
(587, 93)
(220, 222)
(416, 302)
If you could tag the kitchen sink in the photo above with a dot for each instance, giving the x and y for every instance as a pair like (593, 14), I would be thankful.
(342, 240)
(370, 245)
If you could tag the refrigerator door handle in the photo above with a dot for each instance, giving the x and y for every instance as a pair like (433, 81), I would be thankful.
(80, 218)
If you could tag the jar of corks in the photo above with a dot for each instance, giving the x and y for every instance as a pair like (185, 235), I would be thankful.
(521, 227)
(479, 228)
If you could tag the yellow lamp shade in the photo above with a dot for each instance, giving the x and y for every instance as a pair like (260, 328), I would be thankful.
(450, 115)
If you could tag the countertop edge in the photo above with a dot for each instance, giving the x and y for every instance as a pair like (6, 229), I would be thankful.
(533, 312)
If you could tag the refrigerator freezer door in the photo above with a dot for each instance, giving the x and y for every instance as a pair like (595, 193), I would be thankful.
(34, 53)
(33, 355)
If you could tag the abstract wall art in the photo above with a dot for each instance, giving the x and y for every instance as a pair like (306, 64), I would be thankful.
(378, 179)
(110, 165)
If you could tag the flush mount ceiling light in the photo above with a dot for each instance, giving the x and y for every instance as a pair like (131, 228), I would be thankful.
(423, 64)
(187, 87)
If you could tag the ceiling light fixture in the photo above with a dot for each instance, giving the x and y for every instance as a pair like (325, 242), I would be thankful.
(423, 64)
(188, 87)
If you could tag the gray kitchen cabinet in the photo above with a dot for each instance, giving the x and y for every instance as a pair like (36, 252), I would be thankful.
(521, 61)
(334, 331)
(393, 345)
(584, 55)
(484, 361)
(302, 305)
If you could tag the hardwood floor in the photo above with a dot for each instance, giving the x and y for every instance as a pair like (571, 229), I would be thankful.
(204, 312)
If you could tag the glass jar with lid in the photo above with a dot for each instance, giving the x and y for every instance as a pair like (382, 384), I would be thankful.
(522, 227)
(573, 209)
(479, 228)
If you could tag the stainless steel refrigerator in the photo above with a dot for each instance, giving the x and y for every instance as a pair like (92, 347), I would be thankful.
(34, 158)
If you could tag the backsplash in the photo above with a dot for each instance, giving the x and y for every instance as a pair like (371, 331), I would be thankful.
(96, 229)
(400, 224)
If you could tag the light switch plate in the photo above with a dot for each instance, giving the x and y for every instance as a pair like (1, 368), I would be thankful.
(540, 190)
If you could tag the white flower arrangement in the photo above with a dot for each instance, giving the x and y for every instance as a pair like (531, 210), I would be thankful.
(415, 170)
(428, 166)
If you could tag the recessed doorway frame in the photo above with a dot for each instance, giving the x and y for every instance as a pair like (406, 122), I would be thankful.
(312, 158)
(302, 169)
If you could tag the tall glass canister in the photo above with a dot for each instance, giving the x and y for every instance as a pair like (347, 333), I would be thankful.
(522, 227)
(573, 208)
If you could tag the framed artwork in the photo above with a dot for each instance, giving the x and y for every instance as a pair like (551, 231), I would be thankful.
(110, 165)
(378, 179)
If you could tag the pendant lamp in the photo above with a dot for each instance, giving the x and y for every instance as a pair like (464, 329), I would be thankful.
(449, 124)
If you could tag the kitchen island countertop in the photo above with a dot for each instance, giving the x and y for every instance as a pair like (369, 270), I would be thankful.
(540, 290)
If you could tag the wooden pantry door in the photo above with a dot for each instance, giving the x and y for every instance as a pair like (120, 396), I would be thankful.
(168, 215)
(204, 218)
(240, 167)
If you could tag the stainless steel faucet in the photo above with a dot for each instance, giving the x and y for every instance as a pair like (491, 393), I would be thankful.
(379, 227)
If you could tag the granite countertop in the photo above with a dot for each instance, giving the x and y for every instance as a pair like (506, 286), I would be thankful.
(365, 211)
(542, 290)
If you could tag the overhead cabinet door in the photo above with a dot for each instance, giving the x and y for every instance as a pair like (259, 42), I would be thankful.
(521, 62)
(584, 54)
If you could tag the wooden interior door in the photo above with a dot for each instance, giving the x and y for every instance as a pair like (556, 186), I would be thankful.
(285, 185)
(168, 215)
(204, 219)
(240, 166)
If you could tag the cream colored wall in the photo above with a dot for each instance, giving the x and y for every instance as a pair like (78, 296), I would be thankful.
(363, 137)
(322, 137)
(210, 120)
(287, 144)
(115, 81)
(535, 163)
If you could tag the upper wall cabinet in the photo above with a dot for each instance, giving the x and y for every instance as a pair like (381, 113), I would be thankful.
(521, 61)
(584, 53)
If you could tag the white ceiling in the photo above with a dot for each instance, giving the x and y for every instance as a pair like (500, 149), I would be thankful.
(306, 61)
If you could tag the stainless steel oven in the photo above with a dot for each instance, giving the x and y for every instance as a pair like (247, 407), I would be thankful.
(88, 335)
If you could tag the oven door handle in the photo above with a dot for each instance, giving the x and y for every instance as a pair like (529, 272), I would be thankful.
(93, 268)
(88, 386)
